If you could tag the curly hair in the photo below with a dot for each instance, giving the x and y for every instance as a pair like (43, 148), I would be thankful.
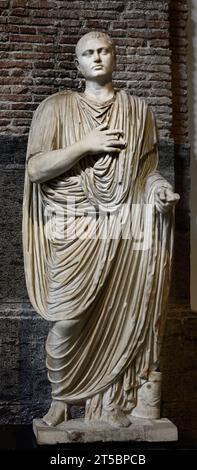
(96, 35)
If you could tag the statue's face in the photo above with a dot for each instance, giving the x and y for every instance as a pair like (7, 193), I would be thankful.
(95, 59)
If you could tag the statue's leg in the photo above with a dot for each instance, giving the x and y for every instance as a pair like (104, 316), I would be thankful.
(112, 412)
(57, 413)
(58, 337)
(104, 407)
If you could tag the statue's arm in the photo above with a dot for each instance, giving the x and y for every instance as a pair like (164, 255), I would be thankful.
(156, 189)
(44, 166)
(162, 191)
(47, 165)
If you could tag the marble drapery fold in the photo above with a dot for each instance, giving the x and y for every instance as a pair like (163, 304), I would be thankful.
(107, 272)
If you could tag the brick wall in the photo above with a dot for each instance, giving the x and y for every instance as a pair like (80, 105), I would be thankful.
(38, 39)
(37, 49)
(178, 46)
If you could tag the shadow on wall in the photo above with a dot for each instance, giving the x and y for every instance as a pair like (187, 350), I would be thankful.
(178, 43)
(192, 103)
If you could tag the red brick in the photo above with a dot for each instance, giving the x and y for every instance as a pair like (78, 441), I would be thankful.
(23, 106)
(45, 73)
(4, 55)
(17, 113)
(6, 63)
(38, 98)
(68, 40)
(45, 13)
(158, 43)
(4, 3)
(157, 85)
(134, 42)
(44, 64)
(3, 19)
(45, 81)
(47, 29)
(149, 67)
(146, 51)
(25, 20)
(17, 129)
(4, 122)
(19, 89)
(19, 3)
(96, 23)
(151, 34)
(17, 73)
(4, 37)
(149, 5)
(27, 30)
(46, 48)
(19, 12)
(6, 47)
(21, 47)
(147, 59)
(4, 89)
(42, 4)
(179, 6)
(17, 98)
(32, 55)
(31, 38)
(39, 90)
(44, 21)
(22, 122)
(5, 73)
(166, 77)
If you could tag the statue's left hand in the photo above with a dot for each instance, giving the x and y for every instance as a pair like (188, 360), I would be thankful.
(165, 199)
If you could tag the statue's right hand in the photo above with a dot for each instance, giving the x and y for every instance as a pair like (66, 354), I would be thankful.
(102, 139)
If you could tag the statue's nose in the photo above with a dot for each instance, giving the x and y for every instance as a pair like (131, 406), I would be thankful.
(96, 57)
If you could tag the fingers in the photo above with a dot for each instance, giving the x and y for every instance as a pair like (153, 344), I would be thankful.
(119, 143)
(115, 132)
(112, 149)
(112, 132)
(172, 197)
(167, 196)
(162, 194)
(166, 199)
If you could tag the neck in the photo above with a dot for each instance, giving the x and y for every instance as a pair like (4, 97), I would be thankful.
(99, 91)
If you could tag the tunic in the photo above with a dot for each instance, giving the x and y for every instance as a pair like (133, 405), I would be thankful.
(97, 251)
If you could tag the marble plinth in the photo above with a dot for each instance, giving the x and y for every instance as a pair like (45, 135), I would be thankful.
(78, 430)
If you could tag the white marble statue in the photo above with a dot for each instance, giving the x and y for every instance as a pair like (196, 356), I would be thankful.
(97, 237)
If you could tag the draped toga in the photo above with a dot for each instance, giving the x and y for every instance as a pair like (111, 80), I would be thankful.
(107, 263)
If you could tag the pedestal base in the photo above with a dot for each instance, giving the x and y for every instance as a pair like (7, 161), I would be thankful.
(78, 430)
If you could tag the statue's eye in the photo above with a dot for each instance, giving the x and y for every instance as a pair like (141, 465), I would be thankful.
(88, 53)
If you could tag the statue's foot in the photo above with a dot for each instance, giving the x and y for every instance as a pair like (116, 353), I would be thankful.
(115, 418)
(58, 412)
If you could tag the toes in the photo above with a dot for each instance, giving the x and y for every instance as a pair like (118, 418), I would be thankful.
(55, 415)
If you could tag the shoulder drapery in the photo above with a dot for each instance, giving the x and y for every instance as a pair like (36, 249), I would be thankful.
(115, 279)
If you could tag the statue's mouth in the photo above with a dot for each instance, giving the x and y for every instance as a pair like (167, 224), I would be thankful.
(97, 67)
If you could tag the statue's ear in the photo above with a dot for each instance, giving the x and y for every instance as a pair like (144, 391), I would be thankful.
(77, 64)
